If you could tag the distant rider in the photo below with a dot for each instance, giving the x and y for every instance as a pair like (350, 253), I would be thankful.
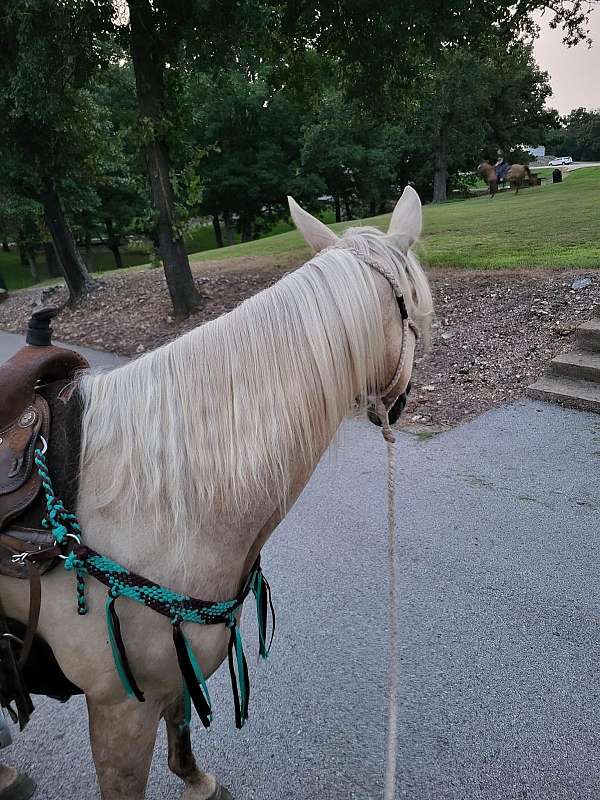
(501, 167)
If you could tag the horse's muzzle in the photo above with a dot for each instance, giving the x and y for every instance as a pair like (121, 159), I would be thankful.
(394, 412)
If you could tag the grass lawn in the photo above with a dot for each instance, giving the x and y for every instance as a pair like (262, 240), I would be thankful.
(555, 225)
(200, 239)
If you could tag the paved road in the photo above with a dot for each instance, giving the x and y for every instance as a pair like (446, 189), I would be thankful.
(10, 343)
(500, 595)
(580, 165)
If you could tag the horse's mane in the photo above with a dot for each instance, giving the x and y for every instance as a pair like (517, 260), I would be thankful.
(210, 422)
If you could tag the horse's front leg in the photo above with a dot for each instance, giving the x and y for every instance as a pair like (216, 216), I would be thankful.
(122, 736)
(199, 785)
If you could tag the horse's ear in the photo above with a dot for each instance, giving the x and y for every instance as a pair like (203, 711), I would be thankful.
(407, 220)
(316, 235)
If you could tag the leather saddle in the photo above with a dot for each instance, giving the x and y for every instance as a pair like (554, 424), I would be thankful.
(25, 422)
(38, 408)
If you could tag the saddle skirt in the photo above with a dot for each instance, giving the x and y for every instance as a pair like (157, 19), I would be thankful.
(37, 400)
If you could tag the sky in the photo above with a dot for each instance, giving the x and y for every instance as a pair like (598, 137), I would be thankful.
(574, 72)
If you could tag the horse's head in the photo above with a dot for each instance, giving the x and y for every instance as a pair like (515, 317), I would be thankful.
(405, 297)
(483, 167)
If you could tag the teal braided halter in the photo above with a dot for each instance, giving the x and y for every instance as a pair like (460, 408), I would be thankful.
(179, 608)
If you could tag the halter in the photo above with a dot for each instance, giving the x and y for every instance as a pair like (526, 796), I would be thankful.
(360, 249)
(406, 324)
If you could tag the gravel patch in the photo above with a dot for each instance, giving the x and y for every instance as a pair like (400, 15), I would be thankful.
(495, 332)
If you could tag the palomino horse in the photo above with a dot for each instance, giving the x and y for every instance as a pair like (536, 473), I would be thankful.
(191, 456)
(489, 174)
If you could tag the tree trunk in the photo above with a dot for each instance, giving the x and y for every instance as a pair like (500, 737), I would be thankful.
(148, 68)
(217, 227)
(347, 207)
(113, 244)
(338, 209)
(440, 174)
(27, 256)
(229, 228)
(76, 276)
(5, 246)
(88, 251)
(246, 226)
(51, 263)
(33, 267)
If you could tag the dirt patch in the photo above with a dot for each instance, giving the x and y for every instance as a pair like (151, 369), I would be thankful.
(495, 333)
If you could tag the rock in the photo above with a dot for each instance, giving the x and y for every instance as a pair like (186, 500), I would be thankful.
(565, 328)
(140, 348)
(581, 283)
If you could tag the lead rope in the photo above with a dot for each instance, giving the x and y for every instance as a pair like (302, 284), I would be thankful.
(389, 791)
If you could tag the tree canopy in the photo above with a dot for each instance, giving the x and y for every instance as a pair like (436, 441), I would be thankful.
(141, 118)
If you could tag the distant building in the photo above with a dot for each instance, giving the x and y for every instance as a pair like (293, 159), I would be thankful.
(537, 152)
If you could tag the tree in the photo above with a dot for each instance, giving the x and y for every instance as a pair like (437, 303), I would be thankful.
(352, 152)
(121, 182)
(518, 94)
(433, 66)
(154, 36)
(47, 122)
(469, 106)
(374, 40)
(250, 137)
(21, 219)
(577, 136)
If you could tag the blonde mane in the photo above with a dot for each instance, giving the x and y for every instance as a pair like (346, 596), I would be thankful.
(213, 420)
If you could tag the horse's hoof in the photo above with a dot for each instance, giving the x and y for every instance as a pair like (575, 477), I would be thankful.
(220, 793)
(15, 785)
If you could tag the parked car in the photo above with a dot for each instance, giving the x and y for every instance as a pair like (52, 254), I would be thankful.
(558, 162)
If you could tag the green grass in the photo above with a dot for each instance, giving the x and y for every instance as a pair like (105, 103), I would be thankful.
(555, 225)
(201, 238)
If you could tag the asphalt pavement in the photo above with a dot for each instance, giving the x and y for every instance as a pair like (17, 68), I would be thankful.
(11, 342)
(499, 565)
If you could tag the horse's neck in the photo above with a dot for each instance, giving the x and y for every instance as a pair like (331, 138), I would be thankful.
(218, 555)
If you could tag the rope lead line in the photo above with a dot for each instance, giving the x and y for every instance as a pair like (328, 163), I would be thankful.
(393, 666)
(179, 608)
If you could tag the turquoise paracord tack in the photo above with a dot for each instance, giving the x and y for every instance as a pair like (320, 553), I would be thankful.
(179, 608)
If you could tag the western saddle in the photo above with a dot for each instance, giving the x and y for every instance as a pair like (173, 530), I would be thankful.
(39, 407)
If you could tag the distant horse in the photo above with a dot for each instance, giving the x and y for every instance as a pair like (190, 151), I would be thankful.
(192, 455)
(489, 174)
(517, 174)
